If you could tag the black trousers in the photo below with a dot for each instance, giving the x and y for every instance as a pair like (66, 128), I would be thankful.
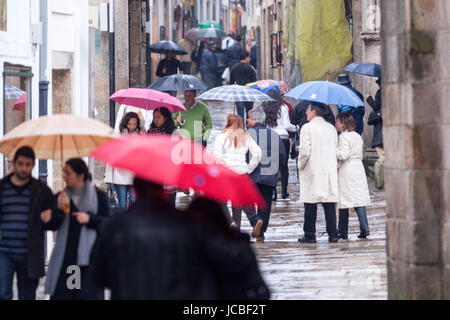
(309, 227)
(284, 167)
(362, 217)
(263, 213)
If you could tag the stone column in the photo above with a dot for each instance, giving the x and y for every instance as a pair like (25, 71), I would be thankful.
(416, 92)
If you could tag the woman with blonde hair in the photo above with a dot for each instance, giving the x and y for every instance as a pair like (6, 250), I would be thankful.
(231, 146)
(353, 188)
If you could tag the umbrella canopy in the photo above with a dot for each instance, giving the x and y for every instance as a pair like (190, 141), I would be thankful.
(20, 103)
(173, 161)
(57, 136)
(12, 92)
(325, 92)
(178, 82)
(368, 69)
(234, 93)
(265, 85)
(147, 99)
(209, 24)
(167, 45)
(191, 34)
(211, 33)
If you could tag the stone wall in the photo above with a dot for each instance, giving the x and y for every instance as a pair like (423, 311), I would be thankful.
(416, 68)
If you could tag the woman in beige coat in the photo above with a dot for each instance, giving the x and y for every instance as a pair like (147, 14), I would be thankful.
(353, 188)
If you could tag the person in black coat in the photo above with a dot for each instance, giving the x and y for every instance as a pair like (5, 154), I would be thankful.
(265, 176)
(169, 65)
(376, 119)
(155, 251)
(234, 52)
(356, 112)
(84, 210)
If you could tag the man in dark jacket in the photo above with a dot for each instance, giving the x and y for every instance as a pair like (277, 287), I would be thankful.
(375, 118)
(27, 209)
(265, 176)
(234, 53)
(154, 251)
(208, 65)
(241, 74)
(169, 65)
(357, 112)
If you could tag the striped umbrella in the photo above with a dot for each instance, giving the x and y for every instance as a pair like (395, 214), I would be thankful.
(12, 92)
(234, 93)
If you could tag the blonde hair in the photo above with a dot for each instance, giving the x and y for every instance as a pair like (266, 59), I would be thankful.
(235, 131)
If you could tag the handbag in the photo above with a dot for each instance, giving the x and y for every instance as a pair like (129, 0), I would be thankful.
(226, 74)
(295, 147)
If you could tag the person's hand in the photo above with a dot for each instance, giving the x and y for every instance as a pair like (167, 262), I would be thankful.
(179, 118)
(82, 217)
(63, 199)
(46, 215)
(142, 132)
(164, 71)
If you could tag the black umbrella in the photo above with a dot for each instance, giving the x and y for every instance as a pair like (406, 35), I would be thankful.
(167, 45)
(178, 82)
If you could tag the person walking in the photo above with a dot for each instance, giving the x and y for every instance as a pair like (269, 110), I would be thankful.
(27, 210)
(228, 41)
(234, 52)
(87, 212)
(191, 258)
(356, 112)
(195, 122)
(241, 74)
(253, 55)
(208, 65)
(121, 180)
(231, 147)
(169, 65)
(265, 176)
(317, 164)
(353, 188)
(277, 118)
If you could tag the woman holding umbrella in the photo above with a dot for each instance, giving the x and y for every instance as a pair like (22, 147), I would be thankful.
(232, 146)
(77, 232)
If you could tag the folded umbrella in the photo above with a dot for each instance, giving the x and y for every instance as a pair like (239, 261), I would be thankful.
(147, 99)
(178, 82)
(166, 45)
(368, 69)
(325, 92)
(181, 163)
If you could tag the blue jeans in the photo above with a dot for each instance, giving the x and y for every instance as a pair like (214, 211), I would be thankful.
(124, 193)
(16, 263)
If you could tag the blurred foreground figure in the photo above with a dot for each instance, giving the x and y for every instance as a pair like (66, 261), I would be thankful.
(154, 251)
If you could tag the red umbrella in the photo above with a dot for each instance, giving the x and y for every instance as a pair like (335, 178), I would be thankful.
(181, 163)
(19, 105)
(147, 99)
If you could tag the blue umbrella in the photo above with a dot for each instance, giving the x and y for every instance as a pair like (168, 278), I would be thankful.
(368, 69)
(265, 90)
(325, 92)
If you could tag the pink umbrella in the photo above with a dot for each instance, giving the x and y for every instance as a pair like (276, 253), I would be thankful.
(19, 105)
(147, 99)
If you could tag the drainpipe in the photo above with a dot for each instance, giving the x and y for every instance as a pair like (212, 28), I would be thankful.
(148, 54)
(112, 70)
(43, 83)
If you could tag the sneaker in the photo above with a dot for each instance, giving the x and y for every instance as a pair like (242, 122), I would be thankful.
(257, 229)
(306, 240)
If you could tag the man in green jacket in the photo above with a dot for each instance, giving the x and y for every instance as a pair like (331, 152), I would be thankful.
(195, 122)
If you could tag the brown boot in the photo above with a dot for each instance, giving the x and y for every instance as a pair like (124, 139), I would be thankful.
(257, 229)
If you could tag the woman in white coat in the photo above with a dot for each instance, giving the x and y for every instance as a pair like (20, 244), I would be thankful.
(231, 147)
(353, 188)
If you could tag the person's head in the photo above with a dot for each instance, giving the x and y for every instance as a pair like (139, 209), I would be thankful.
(130, 122)
(256, 115)
(345, 122)
(148, 190)
(212, 45)
(23, 163)
(170, 55)
(162, 118)
(272, 108)
(245, 56)
(76, 173)
(231, 35)
(235, 130)
(315, 109)
(238, 38)
(189, 97)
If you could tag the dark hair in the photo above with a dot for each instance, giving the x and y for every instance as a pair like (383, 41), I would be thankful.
(347, 121)
(126, 118)
(80, 167)
(244, 54)
(25, 151)
(146, 189)
(238, 38)
(168, 126)
(272, 108)
(320, 108)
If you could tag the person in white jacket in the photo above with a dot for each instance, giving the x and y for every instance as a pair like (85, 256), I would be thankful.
(317, 165)
(353, 188)
(277, 118)
(231, 147)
